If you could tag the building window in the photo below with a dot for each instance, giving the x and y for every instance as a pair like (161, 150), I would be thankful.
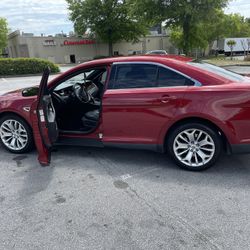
(49, 42)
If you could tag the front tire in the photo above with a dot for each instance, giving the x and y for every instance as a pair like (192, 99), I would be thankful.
(194, 146)
(15, 134)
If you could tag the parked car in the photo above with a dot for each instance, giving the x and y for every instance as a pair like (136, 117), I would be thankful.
(157, 52)
(191, 110)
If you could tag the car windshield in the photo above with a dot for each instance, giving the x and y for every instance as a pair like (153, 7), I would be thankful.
(218, 71)
(80, 78)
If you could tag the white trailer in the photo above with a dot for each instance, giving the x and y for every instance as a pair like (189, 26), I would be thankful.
(241, 47)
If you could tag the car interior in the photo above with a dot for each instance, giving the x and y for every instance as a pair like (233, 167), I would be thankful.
(77, 100)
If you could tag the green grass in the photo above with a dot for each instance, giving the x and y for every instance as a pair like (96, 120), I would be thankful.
(226, 61)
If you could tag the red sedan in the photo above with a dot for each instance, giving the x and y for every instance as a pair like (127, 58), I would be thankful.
(191, 110)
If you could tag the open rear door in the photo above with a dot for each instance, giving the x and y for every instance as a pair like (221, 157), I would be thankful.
(43, 118)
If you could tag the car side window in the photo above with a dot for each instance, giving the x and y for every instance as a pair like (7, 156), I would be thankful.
(170, 78)
(128, 76)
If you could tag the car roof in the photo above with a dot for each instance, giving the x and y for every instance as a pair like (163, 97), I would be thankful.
(144, 58)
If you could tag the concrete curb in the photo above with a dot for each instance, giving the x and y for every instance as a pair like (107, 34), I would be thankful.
(236, 65)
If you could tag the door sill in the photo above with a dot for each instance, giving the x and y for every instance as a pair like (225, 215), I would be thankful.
(74, 132)
(77, 141)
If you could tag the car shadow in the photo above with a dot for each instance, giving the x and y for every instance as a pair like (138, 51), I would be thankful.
(25, 169)
(36, 180)
(229, 171)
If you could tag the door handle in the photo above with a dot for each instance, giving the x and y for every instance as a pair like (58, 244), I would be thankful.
(167, 98)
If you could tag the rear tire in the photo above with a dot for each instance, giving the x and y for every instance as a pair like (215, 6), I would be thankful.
(194, 146)
(15, 134)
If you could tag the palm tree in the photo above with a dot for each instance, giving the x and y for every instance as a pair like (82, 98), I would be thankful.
(231, 44)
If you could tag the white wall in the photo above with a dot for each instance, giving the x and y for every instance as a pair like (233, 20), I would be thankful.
(22, 46)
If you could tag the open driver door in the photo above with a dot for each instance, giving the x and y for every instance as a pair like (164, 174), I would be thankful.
(43, 118)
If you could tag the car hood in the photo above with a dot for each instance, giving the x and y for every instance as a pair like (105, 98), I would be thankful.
(18, 102)
(14, 93)
(25, 92)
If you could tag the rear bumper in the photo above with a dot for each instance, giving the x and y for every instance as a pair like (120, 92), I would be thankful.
(240, 148)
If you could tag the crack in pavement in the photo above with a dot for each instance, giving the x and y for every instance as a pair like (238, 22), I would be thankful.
(182, 221)
(110, 167)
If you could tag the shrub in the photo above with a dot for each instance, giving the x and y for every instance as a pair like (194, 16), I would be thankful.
(20, 66)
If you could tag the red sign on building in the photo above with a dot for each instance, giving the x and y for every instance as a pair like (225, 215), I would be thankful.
(81, 42)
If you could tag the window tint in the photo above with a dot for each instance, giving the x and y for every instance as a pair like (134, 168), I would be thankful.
(134, 76)
(169, 78)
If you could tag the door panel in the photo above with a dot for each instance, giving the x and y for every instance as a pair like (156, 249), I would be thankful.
(43, 119)
(43, 152)
(139, 115)
(49, 113)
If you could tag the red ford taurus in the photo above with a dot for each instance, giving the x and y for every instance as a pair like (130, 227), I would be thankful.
(191, 110)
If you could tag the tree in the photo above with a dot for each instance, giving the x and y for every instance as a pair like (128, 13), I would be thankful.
(214, 28)
(190, 14)
(198, 38)
(109, 20)
(3, 33)
(185, 15)
(236, 25)
(223, 25)
(231, 44)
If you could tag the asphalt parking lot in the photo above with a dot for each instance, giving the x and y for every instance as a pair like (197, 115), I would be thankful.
(239, 69)
(120, 199)
(12, 83)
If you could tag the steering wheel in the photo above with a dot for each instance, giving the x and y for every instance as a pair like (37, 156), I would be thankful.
(81, 93)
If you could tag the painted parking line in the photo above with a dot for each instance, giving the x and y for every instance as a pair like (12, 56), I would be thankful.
(125, 177)
(4, 80)
(141, 172)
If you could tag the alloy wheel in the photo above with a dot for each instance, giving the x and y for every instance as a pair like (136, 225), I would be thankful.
(13, 135)
(194, 147)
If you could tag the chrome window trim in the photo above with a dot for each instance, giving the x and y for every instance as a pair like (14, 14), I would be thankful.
(150, 88)
(196, 82)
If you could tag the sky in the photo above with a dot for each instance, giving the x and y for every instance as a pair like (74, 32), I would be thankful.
(51, 16)
(36, 16)
(239, 6)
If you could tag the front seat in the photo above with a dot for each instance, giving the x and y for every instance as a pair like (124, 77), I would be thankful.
(90, 119)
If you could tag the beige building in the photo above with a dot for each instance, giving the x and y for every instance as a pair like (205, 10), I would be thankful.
(61, 49)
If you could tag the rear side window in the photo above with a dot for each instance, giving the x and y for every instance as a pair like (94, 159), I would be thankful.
(127, 76)
(169, 78)
(134, 76)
